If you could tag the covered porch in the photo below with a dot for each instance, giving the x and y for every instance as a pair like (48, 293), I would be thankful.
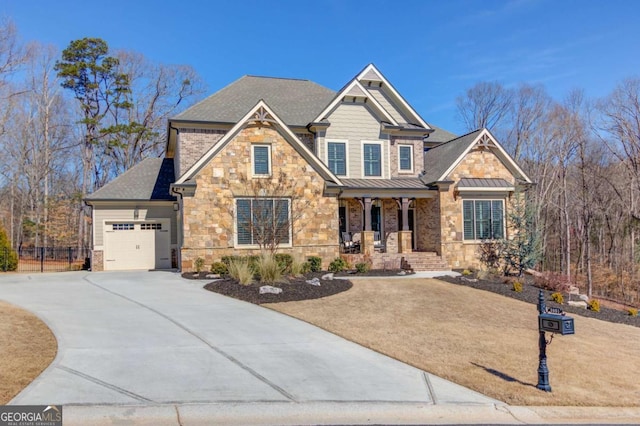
(389, 226)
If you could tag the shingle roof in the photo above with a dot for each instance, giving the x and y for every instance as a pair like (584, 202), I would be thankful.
(147, 180)
(297, 102)
(440, 135)
(394, 183)
(437, 160)
(484, 183)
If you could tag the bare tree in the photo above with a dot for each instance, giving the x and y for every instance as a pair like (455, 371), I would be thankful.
(485, 104)
(269, 210)
(157, 92)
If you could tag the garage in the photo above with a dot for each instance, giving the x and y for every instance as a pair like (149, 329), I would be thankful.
(137, 245)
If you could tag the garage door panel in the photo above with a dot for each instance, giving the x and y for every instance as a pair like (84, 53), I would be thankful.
(143, 245)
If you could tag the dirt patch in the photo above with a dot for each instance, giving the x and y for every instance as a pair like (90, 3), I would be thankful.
(292, 290)
(482, 340)
(27, 347)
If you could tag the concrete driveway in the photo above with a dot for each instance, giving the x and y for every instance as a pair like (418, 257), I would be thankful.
(150, 338)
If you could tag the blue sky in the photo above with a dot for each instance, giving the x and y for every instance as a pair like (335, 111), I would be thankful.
(430, 51)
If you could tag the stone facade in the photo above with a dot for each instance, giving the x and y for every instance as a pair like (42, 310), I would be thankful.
(209, 227)
(97, 261)
(477, 164)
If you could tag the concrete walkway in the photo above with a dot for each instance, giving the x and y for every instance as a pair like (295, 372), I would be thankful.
(152, 348)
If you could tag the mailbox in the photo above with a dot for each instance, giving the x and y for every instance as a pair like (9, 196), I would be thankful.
(554, 323)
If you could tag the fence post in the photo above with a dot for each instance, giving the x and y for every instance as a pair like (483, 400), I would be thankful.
(41, 259)
(69, 256)
(6, 259)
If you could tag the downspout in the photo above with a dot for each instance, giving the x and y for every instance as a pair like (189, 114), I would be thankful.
(179, 223)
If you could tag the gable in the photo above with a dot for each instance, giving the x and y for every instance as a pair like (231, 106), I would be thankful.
(262, 116)
(474, 155)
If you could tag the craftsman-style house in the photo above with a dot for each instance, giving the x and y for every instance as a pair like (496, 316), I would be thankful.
(355, 173)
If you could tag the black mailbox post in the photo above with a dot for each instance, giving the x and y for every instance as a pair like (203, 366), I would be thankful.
(553, 321)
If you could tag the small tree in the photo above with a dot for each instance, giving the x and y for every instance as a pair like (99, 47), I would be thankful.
(271, 208)
(520, 250)
(8, 256)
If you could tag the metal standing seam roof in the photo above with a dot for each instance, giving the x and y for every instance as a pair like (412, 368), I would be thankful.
(393, 183)
(296, 102)
(484, 183)
(148, 180)
(437, 160)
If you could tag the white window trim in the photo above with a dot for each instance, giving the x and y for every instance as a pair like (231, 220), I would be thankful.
(411, 157)
(383, 159)
(253, 174)
(257, 246)
(504, 219)
(346, 154)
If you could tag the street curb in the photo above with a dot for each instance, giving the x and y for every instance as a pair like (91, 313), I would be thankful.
(356, 413)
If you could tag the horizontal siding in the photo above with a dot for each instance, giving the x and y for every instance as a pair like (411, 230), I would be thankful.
(383, 100)
(355, 122)
(113, 213)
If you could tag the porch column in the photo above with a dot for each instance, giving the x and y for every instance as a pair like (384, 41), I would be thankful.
(367, 214)
(405, 213)
(404, 235)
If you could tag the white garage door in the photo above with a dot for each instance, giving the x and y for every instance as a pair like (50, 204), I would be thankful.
(137, 245)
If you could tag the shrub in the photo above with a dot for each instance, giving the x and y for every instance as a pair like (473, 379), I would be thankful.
(219, 268)
(467, 272)
(299, 268)
(517, 286)
(363, 267)
(8, 257)
(199, 264)
(594, 305)
(557, 297)
(251, 260)
(284, 261)
(315, 263)
(240, 270)
(633, 312)
(268, 268)
(338, 265)
(553, 281)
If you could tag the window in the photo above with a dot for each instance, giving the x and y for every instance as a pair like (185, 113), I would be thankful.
(151, 226)
(261, 158)
(263, 222)
(337, 158)
(483, 219)
(405, 158)
(372, 159)
(122, 226)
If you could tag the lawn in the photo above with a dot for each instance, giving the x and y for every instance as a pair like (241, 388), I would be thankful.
(482, 340)
(27, 348)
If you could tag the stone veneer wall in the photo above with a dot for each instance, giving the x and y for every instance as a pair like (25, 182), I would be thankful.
(428, 224)
(308, 140)
(97, 261)
(418, 155)
(477, 164)
(193, 144)
(208, 215)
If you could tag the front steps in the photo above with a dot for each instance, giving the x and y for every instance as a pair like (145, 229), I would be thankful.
(418, 261)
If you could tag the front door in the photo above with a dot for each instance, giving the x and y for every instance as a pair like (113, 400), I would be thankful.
(411, 225)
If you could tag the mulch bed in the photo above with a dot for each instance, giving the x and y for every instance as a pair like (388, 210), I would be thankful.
(530, 293)
(292, 290)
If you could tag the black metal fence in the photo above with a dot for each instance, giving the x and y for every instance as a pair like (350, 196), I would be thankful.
(46, 259)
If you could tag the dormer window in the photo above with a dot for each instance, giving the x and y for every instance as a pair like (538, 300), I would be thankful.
(261, 160)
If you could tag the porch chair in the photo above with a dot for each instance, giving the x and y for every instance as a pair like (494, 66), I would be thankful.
(347, 243)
